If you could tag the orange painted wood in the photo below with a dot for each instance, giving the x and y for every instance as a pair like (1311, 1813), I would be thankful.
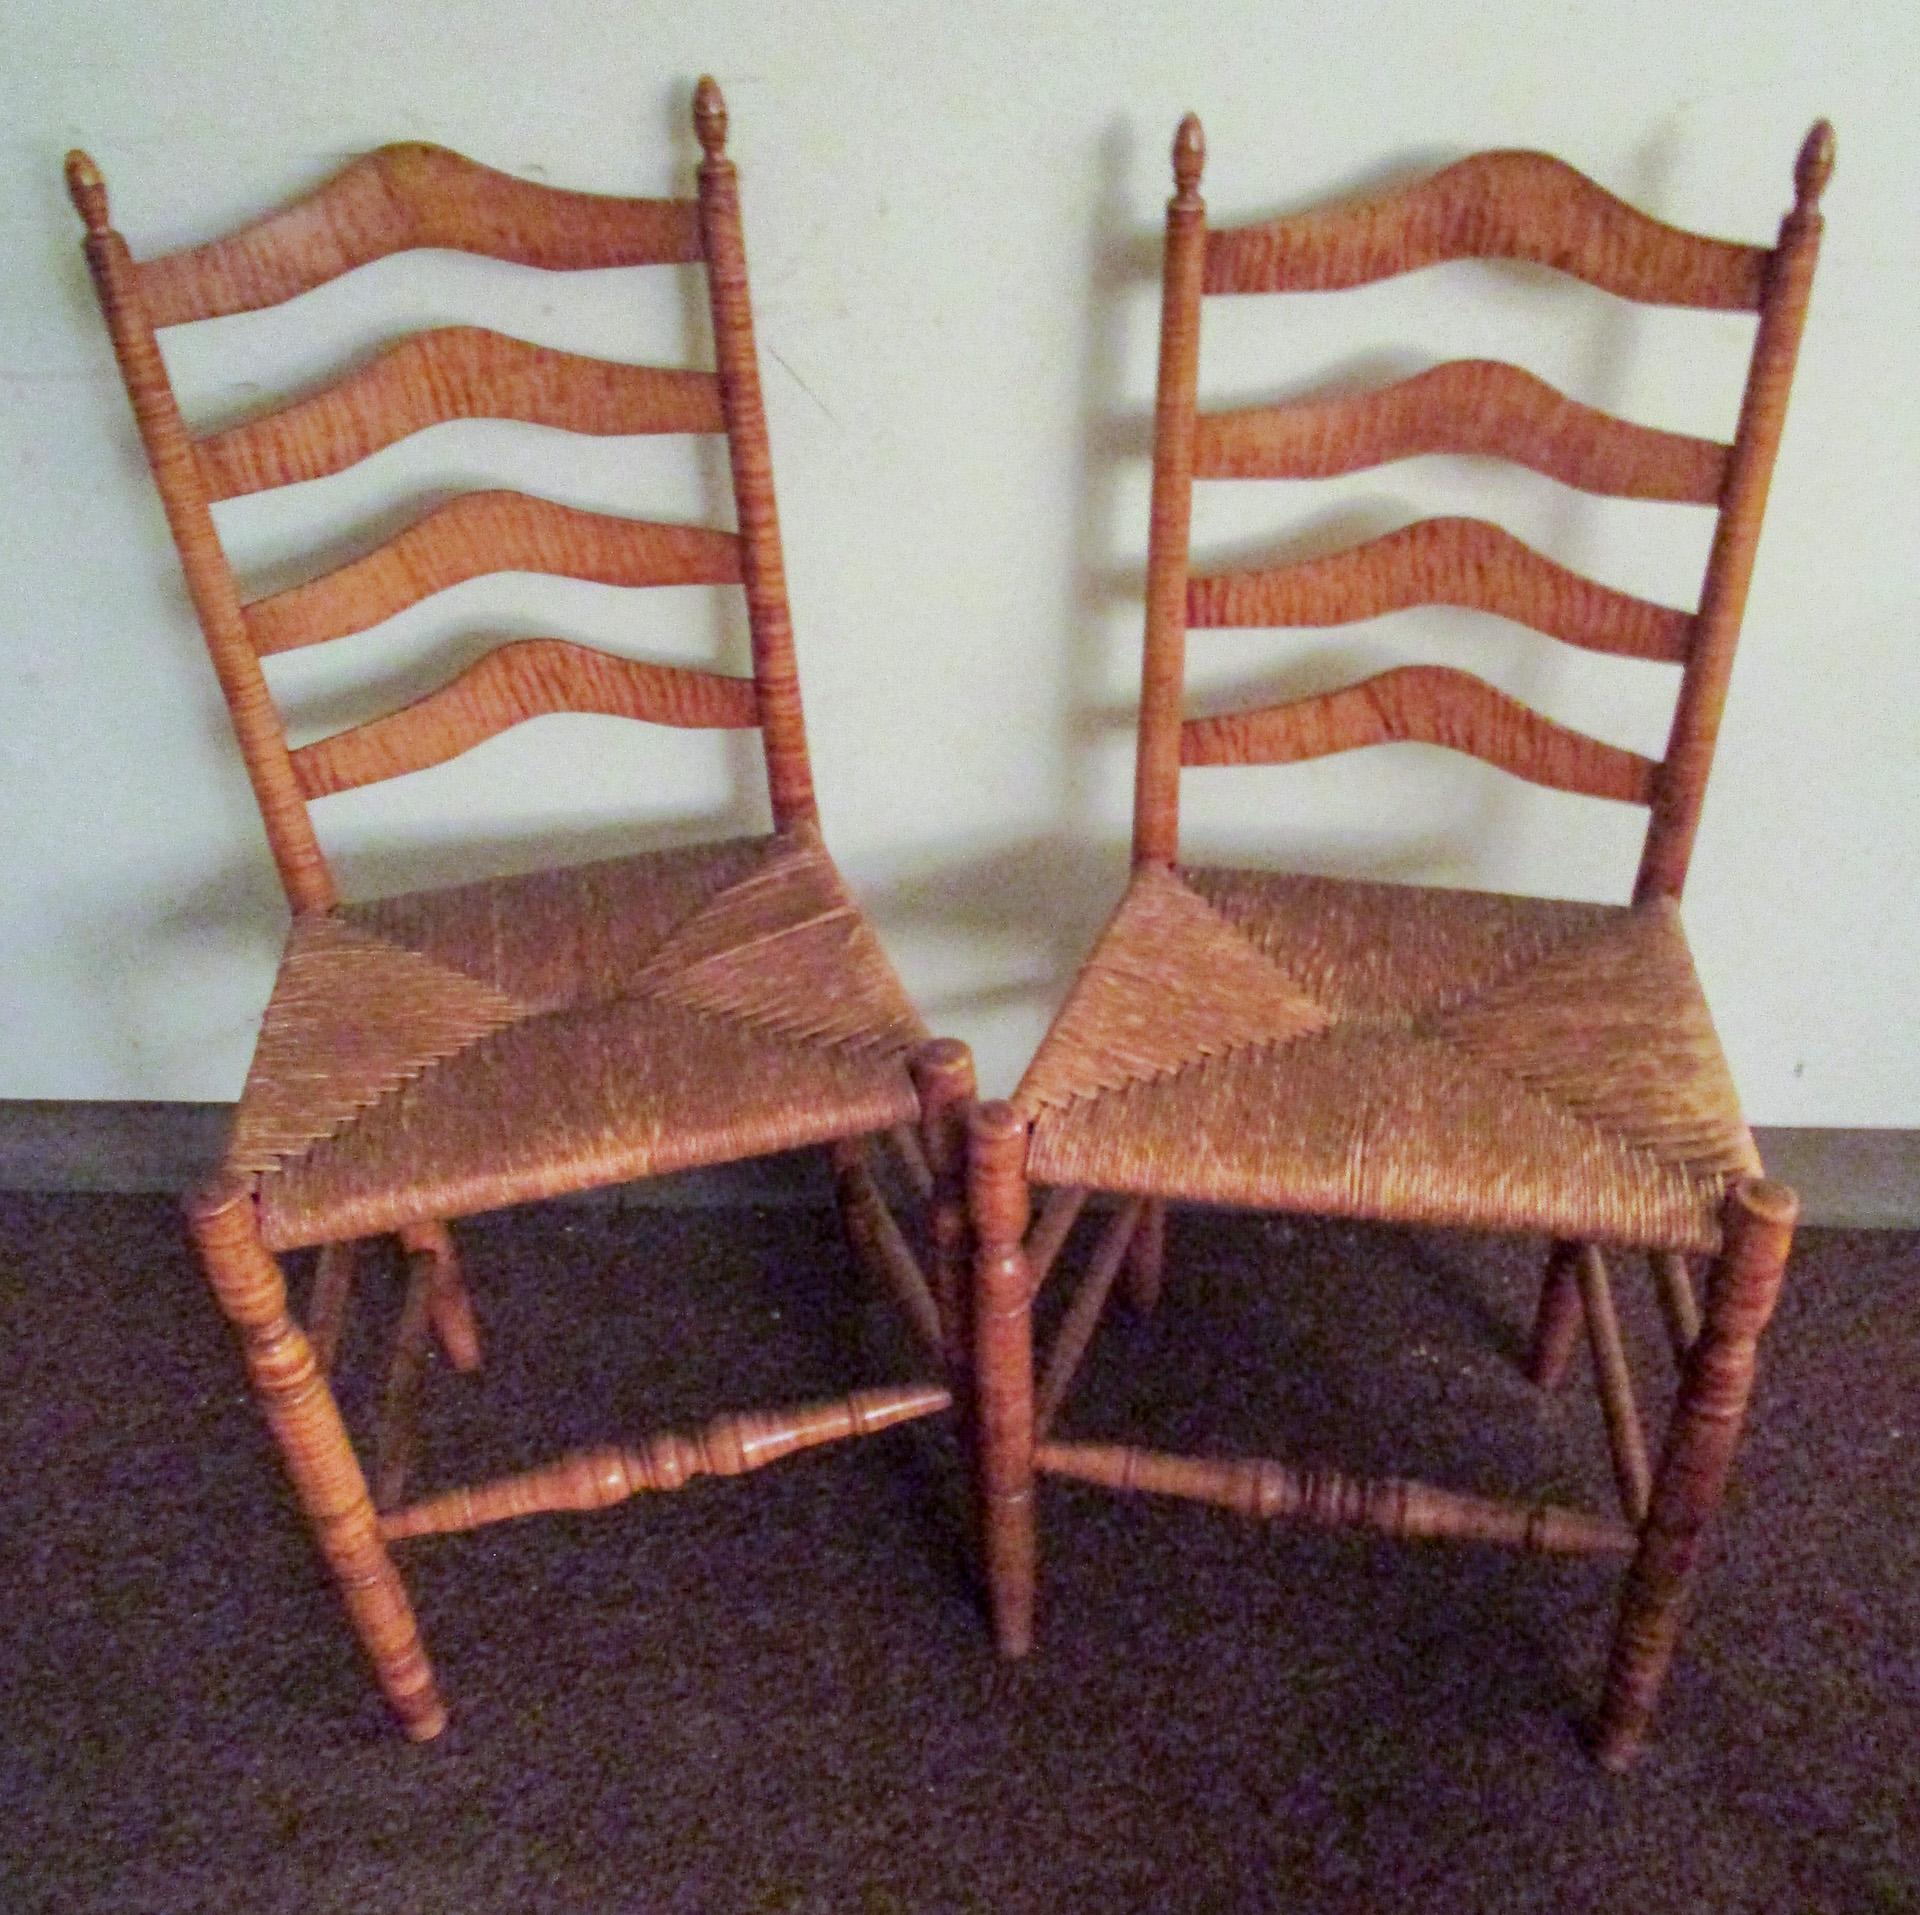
(1472, 406)
(1508, 205)
(305, 1421)
(1682, 787)
(1394, 1506)
(728, 1446)
(770, 620)
(455, 372)
(1003, 1410)
(216, 601)
(413, 195)
(1156, 784)
(529, 678)
(482, 532)
(1701, 1443)
(1422, 704)
(1451, 561)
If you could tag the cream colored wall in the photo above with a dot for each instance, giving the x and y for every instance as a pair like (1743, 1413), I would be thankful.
(952, 216)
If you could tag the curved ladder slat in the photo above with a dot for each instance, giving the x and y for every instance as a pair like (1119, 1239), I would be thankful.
(483, 532)
(405, 196)
(1479, 407)
(1453, 561)
(455, 372)
(1506, 205)
(1428, 705)
(530, 678)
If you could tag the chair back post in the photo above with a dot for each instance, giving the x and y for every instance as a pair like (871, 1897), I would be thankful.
(775, 673)
(1681, 783)
(183, 496)
(1156, 793)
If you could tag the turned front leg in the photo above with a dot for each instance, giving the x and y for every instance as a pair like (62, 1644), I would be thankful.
(1003, 1369)
(1701, 1442)
(305, 1421)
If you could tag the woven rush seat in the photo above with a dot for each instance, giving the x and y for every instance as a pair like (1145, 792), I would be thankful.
(1390, 1051)
(448, 1051)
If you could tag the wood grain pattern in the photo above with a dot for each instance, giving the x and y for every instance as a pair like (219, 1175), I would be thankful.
(257, 729)
(529, 678)
(1422, 704)
(1156, 779)
(1682, 786)
(305, 1421)
(730, 1445)
(1479, 407)
(1003, 1414)
(453, 372)
(413, 195)
(776, 670)
(1701, 1443)
(482, 532)
(1449, 561)
(1394, 1506)
(1503, 205)
(943, 1075)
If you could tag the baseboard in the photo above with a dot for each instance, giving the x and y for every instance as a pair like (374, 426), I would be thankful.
(1858, 1179)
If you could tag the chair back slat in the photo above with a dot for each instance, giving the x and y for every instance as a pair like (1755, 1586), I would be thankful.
(455, 372)
(1519, 206)
(1477, 407)
(1464, 562)
(423, 196)
(404, 197)
(481, 532)
(529, 678)
(1428, 705)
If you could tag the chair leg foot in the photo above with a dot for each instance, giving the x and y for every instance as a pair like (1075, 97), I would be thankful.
(1556, 1319)
(1147, 1258)
(305, 1421)
(1002, 1367)
(1701, 1442)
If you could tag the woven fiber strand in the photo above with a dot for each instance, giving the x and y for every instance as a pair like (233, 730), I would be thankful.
(1433, 1056)
(448, 1051)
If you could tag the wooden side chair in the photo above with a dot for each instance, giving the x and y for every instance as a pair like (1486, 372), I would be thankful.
(450, 1051)
(1370, 1050)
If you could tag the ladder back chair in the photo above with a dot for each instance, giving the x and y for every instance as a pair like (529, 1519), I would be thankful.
(1395, 1052)
(432, 1055)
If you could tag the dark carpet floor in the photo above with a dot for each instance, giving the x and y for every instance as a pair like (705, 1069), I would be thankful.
(779, 1693)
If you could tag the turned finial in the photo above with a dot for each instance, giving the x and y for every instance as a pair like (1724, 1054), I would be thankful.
(87, 190)
(1814, 167)
(1189, 156)
(710, 117)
